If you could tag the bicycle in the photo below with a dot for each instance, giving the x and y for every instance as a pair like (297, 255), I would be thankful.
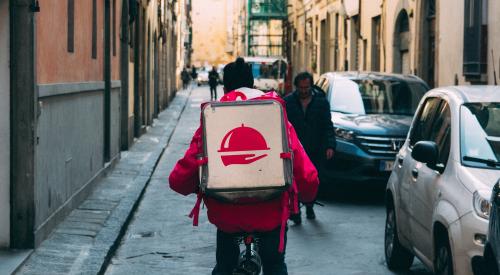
(249, 262)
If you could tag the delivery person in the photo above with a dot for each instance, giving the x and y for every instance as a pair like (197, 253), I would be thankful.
(267, 218)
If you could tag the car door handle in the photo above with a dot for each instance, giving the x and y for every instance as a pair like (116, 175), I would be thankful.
(414, 173)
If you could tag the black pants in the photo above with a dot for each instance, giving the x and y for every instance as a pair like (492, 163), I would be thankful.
(273, 262)
(213, 92)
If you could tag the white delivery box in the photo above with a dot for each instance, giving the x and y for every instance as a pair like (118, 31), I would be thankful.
(246, 156)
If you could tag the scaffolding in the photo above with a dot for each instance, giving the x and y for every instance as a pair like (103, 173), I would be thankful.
(265, 27)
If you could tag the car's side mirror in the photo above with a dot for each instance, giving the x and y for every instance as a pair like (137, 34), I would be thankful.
(426, 152)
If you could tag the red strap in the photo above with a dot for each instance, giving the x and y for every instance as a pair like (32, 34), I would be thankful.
(195, 212)
(287, 155)
(294, 200)
(284, 218)
(202, 161)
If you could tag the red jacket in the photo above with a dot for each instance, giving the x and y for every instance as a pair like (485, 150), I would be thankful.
(262, 216)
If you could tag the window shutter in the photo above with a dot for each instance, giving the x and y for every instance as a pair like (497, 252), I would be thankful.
(473, 39)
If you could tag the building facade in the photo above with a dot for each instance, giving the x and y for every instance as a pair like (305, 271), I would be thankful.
(185, 37)
(79, 80)
(210, 32)
(443, 42)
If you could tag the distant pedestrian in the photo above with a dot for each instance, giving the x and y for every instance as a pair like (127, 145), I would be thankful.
(310, 115)
(184, 78)
(213, 80)
(194, 73)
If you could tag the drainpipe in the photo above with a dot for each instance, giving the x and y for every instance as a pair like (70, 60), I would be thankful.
(124, 61)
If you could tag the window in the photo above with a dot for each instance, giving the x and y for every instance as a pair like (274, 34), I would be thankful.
(320, 82)
(422, 124)
(480, 134)
(325, 86)
(440, 133)
(434, 124)
(71, 26)
(475, 40)
(376, 96)
(113, 22)
(94, 29)
(375, 43)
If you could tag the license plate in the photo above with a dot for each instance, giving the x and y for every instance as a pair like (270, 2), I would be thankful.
(386, 165)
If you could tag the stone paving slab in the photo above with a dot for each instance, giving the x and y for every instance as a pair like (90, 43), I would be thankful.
(83, 242)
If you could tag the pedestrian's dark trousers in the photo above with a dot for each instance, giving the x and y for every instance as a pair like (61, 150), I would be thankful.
(213, 92)
(228, 251)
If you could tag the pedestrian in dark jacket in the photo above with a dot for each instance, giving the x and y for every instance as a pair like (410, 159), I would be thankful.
(194, 74)
(310, 115)
(213, 80)
(266, 218)
(184, 78)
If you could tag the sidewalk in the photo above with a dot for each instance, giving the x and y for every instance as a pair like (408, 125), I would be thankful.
(83, 242)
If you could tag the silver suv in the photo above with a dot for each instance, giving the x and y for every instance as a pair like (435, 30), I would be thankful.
(439, 190)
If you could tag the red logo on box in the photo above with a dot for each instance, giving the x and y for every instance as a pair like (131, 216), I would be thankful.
(241, 139)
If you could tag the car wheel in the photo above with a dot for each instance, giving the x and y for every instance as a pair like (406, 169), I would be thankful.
(443, 261)
(396, 256)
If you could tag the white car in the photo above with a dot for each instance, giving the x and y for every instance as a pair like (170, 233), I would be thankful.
(438, 192)
(202, 78)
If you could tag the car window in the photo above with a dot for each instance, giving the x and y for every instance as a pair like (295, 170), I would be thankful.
(376, 96)
(480, 134)
(268, 70)
(440, 132)
(320, 82)
(325, 87)
(345, 97)
(422, 124)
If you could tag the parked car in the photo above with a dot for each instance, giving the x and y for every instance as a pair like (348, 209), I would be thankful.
(438, 194)
(371, 113)
(490, 263)
(202, 78)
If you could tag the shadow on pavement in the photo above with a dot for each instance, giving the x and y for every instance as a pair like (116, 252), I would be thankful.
(365, 193)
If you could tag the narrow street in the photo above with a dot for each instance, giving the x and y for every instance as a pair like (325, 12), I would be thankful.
(346, 238)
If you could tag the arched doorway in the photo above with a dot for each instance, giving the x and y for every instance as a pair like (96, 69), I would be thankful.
(402, 44)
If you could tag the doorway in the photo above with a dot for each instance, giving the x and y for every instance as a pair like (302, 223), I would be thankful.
(402, 44)
(428, 42)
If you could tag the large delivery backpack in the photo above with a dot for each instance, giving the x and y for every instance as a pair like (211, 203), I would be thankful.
(246, 155)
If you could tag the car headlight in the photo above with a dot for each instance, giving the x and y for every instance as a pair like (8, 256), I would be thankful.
(482, 205)
(344, 134)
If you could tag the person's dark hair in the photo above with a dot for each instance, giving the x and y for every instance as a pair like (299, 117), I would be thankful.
(237, 74)
(302, 76)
